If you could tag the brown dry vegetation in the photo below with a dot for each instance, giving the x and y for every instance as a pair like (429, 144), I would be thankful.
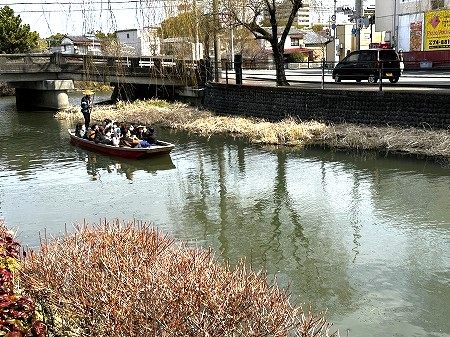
(127, 279)
(88, 85)
(6, 90)
(414, 141)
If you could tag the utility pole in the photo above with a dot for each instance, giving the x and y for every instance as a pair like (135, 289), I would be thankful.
(334, 32)
(216, 39)
(358, 14)
(394, 34)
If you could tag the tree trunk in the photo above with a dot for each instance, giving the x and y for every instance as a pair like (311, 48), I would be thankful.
(206, 47)
(278, 58)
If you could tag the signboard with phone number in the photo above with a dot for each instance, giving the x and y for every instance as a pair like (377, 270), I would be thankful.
(437, 30)
(438, 44)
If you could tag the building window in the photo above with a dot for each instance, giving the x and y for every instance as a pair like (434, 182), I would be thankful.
(436, 4)
(295, 41)
(128, 35)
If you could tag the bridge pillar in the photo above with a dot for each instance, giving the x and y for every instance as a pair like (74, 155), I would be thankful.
(48, 95)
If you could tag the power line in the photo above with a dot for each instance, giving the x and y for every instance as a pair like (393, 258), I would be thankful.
(80, 10)
(87, 6)
(100, 2)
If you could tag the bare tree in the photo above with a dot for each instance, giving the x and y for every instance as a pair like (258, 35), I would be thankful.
(249, 13)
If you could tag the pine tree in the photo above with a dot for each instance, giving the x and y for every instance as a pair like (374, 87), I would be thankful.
(15, 37)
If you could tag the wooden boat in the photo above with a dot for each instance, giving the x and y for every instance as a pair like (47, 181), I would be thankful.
(160, 148)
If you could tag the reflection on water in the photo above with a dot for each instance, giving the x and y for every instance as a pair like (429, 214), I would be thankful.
(97, 165)
(364, 236)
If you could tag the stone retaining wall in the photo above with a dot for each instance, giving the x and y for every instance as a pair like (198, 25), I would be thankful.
(395, 108)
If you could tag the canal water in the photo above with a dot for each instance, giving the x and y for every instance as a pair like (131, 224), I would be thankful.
(365, 237)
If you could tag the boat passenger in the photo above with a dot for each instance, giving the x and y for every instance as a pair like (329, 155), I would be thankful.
(100, 136)
(80, 130)
(135, 141)
(150, 136)
(107, 125)
(114, 127)
(132, 129)
(90, 134)
(140, 131)
(144, 143)
(123, 128)
(115, 139)
(129, 140)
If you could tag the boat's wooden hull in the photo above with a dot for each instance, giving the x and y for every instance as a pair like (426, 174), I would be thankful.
(158, 149)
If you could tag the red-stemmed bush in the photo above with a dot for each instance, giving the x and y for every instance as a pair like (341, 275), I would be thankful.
(128, 279)
(17, 312)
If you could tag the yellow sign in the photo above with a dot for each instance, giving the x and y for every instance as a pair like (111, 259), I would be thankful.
(437, 30)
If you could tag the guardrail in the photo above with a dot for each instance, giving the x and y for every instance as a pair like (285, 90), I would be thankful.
(406, 73)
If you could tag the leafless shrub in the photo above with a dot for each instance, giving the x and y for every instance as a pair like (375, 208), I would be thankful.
(128, 279)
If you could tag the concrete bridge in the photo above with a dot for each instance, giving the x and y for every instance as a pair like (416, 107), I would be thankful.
(42, 80)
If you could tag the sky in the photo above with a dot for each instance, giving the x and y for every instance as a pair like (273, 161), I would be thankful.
(78, 17)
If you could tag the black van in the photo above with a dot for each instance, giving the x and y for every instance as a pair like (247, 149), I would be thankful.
(366, 65)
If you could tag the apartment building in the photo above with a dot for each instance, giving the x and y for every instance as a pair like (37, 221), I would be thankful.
(303, 18)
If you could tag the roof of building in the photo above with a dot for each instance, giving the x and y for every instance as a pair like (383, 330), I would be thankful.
(126, 30)
(291, 50)
(313, 39)
(83, 39)
(136, 29)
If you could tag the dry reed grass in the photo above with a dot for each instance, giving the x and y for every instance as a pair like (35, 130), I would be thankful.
(89, 85)
(423, 142)
(415, 141)
(184, 117)
(128, 279)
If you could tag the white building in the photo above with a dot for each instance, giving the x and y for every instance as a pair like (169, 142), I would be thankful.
(80, 45)
(293, 42)
(141, 42)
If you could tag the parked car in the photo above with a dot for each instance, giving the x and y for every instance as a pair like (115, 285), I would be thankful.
(367, 65)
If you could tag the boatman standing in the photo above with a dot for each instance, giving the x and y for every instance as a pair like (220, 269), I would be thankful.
(86, 107)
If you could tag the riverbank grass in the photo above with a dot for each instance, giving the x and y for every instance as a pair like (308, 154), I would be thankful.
(289, 132)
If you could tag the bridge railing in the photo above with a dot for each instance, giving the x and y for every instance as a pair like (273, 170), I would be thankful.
(14, 63)
(184, 72)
